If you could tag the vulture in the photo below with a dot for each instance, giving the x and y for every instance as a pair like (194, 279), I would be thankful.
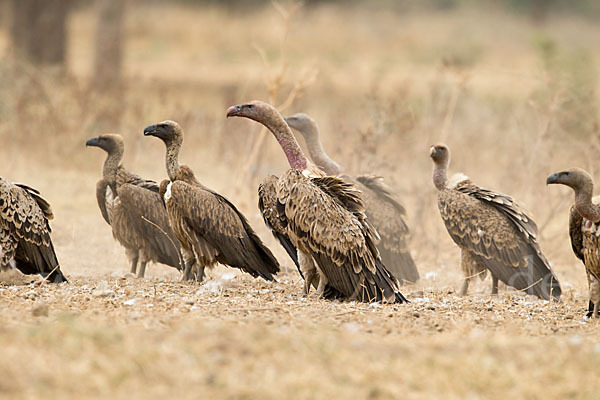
(584, 228)
(493, 232)
(208, 226)
(383, 209)
(25, 242)
(324, 218)
(133, 208)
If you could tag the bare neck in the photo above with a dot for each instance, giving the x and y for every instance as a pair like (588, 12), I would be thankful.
(111, 166)
(440, 175)
(584, 205)
(317, 153)
(172, 159)
(282, 132)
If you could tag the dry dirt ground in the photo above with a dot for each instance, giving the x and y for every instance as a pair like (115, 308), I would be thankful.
(117, 336)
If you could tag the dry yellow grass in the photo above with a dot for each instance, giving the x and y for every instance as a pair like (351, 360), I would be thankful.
(382, 96)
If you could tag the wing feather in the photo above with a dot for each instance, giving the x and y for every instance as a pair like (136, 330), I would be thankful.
(274, 220)
(327, 215)
(388, 216)
(104, 199)
(148, 219)
(211, 218)
(22, 216)
(575, 221)
(500, 235)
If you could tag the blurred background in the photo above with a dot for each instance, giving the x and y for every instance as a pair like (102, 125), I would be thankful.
(511, 86)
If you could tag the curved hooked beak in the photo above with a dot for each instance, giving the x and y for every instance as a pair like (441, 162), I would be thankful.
(150, 130)
(92, 142)
(431, 151)
(552, 179)
(234, 111)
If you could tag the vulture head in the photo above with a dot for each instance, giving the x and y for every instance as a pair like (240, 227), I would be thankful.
(167, 131)
(303, 124)
(111, 143)
(440, 154)
(255, 110)
(575, 178)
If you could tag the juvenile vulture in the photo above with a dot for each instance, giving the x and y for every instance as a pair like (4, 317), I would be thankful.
(209, 227)
(133, 208)
(383, 209)
(324, 219)
(584, 228)
(25, 242)
(267, 204)
(493, 232)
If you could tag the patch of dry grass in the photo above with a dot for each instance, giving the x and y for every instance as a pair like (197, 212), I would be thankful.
(242, 338)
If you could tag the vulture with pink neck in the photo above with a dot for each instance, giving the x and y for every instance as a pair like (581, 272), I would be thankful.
(493, 232)
(208, 226)
(584, 228)
(324, 218)
(383, 208)
(134, 210)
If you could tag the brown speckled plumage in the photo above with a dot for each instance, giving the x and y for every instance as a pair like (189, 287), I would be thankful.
(25, 241)
(494, 232)
(208, 226)
(324, 218)
(383, 207)
(584, 228)
(127, 203)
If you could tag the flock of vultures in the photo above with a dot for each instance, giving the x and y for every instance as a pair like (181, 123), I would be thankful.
(346, 235)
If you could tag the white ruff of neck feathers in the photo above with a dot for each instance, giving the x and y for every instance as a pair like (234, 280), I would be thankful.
(168, 191)
(456, 179)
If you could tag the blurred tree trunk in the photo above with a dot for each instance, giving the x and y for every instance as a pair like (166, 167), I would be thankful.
(39, 30)
(108, 59)
(539, 11)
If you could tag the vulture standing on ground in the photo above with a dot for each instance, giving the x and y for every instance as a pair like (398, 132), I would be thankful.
(134, 210)
(493, 233)
(209, 227)
(324, 218)
(383, 209)
(25, 242)
(584, 228)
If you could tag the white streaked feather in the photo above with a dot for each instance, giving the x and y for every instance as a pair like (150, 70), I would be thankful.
(168, 192)
(456, 179)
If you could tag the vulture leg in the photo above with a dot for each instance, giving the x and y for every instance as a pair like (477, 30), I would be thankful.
(189, 262)
(322, 284)
(595, 295)
(142, 270)
(494, 284)
(471, 269)
(307, 266)
(466, 262)
(199, 273)
(134, 256)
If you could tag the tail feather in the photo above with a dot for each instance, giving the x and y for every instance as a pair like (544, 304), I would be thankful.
(381, 286)
(400, 265)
